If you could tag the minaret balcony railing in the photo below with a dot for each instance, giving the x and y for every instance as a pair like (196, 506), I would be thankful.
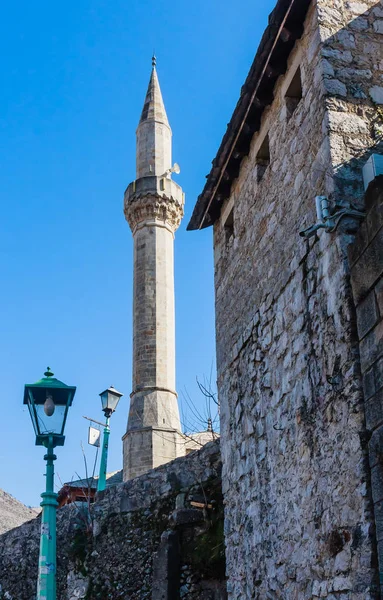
(161, 186)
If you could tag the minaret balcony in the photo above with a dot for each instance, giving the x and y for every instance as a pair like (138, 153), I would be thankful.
(152, 198)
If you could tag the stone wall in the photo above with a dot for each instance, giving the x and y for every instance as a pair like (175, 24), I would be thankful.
(351, 35)
(366, 260)
(296, 480)
(141, 540)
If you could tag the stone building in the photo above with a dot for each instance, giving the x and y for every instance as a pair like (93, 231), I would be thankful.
(154, 206)
(302, 518)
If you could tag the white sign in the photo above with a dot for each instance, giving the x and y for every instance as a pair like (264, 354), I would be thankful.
(94, 436)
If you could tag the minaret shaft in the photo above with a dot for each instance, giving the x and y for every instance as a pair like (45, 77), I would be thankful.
(154, 319)
(153, 208)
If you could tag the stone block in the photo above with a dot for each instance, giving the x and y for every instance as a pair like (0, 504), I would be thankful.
(166, 568)
(374, 220)
(378, 26)
(376, 93)
(374, 411)
(338, 55)
(359, 24)
(380, 556)
(335, 87)
(369, 384)
(378, 374)
(341, 584)
(375, 447)
(377, 481)
(180, 501)
(374, 193)
(128, 504)
(368, 269)
(367, 314)
(378, 510)
(356, 249)
(371, 347)
(346, 123)
(357, 8)
(187, 516)
(379, 295)
(342, 561)
(373, 380)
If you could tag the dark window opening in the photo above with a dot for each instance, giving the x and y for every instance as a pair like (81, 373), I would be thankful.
(229, 227)
(263, 158)
(294, 93)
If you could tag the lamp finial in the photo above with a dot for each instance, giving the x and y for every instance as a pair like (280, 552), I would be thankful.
(48, 372)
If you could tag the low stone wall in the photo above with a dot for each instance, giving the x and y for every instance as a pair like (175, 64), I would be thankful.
(159, 536)
(366, 260)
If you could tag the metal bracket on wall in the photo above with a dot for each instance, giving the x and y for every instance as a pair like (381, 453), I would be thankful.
(329, 215)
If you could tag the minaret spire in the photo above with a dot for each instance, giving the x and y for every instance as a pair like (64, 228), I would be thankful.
(153, 207)
(154, 136)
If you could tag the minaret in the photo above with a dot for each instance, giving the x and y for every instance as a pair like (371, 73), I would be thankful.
(153, 206)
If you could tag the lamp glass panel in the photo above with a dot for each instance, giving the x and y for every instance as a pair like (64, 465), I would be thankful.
(109, 400)
(32, 412)
(104, 400)
(112, 401)
(50, 423)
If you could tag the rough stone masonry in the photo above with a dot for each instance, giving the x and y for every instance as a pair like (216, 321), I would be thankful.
(157, 537)
(299, 518)
(366, 262)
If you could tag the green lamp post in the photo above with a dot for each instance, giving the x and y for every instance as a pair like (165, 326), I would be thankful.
(109, 400)
(48, 402)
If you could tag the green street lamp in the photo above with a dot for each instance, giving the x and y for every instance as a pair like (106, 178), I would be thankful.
(48, 402)
(109, 400)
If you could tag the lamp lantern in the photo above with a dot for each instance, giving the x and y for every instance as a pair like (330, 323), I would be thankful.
(109, 400)
(48, 402)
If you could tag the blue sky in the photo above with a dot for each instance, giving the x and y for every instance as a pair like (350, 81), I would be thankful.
(73, 79)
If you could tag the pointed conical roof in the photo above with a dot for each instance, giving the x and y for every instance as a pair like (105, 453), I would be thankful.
(154, 108)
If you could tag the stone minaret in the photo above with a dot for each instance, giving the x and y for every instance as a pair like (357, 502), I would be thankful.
(153, 207)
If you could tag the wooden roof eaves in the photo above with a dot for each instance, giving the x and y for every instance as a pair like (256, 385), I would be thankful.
(257, 90)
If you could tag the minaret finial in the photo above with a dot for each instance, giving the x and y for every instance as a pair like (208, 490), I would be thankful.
(154, 60)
